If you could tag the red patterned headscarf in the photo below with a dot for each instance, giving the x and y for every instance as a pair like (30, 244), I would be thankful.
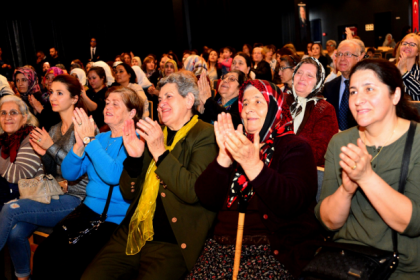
(278, 123)
(32, 78)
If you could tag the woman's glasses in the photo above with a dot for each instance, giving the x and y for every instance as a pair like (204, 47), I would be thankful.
(405, 44)
(230, 78)
(12, 113)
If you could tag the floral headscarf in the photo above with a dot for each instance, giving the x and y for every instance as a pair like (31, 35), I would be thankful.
(195, 64)
(32, 77)
(278, 123)
(54, 70)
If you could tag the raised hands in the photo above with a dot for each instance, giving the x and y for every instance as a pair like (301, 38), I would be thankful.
(35, 103)
(402, 63)
(355, 162)
(222, 126)
(204, 87)
(41, 138)
(133, 145)
(84, 126)
(151, 131)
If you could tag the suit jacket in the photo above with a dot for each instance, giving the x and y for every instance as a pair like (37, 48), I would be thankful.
(332, 94)
(96, 55)
(178, 172)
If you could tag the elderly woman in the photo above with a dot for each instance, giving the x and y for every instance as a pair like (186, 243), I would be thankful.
(360, 201)
(408, 62)
(314, 118)
(272, 171)
(287, 66)
(126, 77)
(228, 101)
(136, 61)
(101, 158)
(19, 219)
(389, 41)
(261, 68)
(159, 179)
(18, 159)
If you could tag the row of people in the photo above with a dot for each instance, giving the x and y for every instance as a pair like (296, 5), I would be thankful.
(308, 76)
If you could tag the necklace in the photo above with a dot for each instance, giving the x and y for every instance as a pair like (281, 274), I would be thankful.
(364, 134)
(109, 145)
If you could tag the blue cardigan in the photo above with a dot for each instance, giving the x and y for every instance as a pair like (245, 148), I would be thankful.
(104, 168)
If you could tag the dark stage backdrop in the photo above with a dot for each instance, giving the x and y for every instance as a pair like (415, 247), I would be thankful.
(151, 27)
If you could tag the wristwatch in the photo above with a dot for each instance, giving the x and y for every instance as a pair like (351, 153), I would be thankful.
(88, 139)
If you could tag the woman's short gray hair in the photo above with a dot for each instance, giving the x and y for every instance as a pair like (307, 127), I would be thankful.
(185, 84)
(23, 108)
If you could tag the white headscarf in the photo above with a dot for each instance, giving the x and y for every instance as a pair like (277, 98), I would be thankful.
(81, 75)
(141, 77)
(109, 78)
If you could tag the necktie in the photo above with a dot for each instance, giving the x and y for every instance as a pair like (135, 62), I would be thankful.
(343, 112)
(93, 53)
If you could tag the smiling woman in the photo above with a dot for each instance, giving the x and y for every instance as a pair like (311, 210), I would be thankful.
(314, 119)
(360, 202)
(165, 217)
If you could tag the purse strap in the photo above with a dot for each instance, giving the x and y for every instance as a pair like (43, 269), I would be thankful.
(404, 172)
(108, 200)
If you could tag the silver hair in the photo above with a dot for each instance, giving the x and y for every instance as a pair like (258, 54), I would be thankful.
(23, 108)
(332, 42)
(360, 46)
(185, 84)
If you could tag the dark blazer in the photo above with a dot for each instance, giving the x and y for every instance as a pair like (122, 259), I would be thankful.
(212, 110)
(285, 194)
(332, 94)
(178, 172)
(96, 55)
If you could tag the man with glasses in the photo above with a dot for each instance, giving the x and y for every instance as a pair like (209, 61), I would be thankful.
(337, 90)
(94, 54)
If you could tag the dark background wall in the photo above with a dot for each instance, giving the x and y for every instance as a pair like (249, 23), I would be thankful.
(334, 14)
(176, 25)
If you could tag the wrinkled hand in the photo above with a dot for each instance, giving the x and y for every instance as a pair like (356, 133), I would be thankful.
(41, 138)
(246, 153)
(355, 162)
(222, 126)
(133, 145)
(83, 125)
(35, 103)
(204, 88)
(151, 131)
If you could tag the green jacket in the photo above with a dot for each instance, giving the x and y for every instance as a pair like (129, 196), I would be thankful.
(179, 170)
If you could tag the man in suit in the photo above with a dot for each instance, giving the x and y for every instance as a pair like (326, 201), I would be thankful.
(337, 91)
(94, 54)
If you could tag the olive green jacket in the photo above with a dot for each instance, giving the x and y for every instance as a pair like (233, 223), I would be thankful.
(178, 172)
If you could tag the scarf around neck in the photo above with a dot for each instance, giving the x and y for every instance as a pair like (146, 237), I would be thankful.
(140, 229)
(10, 144)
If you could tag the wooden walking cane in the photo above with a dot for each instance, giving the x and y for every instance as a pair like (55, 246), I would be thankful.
(243, 204)
(238, 248)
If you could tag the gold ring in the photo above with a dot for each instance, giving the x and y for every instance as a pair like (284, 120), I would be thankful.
(354, 167)
(80, 124)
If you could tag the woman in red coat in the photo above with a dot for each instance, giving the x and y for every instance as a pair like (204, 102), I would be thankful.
(314, 118)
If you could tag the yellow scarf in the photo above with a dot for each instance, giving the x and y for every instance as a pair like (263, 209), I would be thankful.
(140, 229)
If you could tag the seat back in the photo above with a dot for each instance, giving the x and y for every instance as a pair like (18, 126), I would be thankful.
(320, 179)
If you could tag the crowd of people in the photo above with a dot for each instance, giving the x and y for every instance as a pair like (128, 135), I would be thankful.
(156, 158)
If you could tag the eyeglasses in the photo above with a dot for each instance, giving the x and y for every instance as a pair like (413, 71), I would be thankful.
(93, 40)
(405, 44)
(230, 78)
(284, 68)
(346, 54)
(12, 113)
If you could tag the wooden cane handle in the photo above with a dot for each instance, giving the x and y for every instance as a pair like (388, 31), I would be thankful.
(238, 249)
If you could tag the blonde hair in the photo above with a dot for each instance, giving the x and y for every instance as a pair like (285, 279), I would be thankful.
(262, 51)
(23, 109)
(417, 39)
